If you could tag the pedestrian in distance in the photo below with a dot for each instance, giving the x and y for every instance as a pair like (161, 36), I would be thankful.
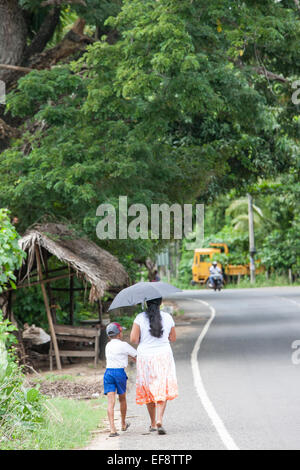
(156, 381)
(115, 378)
(156, 277)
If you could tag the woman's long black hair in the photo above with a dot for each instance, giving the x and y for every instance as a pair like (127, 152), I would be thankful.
(153, 312)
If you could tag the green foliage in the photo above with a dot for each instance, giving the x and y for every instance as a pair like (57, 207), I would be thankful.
(124, 320)
(67, 20)
(168, 115)
(20, 406)
(11, 255)
(68, 425)
(274, 280)
(176, 109)
(29, 307)
(276, 229)
(6, 328)
(93, 11)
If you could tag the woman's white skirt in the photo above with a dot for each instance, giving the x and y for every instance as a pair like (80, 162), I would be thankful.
(156, 377)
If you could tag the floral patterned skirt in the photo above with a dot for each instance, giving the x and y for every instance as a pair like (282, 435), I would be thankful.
(156, 378)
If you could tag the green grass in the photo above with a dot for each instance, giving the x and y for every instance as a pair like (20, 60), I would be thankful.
(54, 378)
(261, 281)
(68, 425)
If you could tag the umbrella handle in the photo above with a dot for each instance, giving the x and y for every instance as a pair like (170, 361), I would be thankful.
(143, 303)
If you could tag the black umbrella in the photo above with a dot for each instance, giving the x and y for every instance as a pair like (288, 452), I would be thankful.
(141, 292)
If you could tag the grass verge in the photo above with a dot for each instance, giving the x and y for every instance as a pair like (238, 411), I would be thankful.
(260, 281)
(67, 425)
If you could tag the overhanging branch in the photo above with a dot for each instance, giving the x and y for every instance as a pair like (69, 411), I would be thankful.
(260, 70)
(44, 34)
(15, 68)
(270, 75)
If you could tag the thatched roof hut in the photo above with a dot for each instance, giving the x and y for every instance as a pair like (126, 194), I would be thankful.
(79, 256)
(91, 263)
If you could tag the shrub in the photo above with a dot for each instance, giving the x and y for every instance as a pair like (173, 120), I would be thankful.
(20, 407)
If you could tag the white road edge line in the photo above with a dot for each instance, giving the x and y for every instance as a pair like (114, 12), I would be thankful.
(207, 404)
(292, 301)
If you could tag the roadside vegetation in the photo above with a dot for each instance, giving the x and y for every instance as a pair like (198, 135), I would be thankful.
(64, 424)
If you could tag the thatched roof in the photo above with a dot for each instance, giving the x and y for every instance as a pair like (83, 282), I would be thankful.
(90, 262)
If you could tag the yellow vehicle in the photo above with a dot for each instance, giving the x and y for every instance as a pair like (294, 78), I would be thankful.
(203, 258)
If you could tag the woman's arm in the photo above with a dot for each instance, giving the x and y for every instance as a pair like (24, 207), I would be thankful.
(135, 334)
(172, 335)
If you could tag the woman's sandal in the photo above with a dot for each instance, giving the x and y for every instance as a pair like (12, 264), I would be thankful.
(160, 429)
(126, 427)
(113, 434)
(151, 429)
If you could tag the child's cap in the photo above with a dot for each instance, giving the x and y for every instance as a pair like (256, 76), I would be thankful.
(114, 329)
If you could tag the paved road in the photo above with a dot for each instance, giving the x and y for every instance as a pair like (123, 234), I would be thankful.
(243, 390)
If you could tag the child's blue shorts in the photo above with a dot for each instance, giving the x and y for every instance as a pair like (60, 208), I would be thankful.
(115, 380)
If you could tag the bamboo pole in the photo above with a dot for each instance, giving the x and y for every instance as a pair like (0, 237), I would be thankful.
(50, 279)
(49, 290)
(71, 300)
(52, 331)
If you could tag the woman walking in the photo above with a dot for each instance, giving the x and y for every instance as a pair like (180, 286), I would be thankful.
(156, 381)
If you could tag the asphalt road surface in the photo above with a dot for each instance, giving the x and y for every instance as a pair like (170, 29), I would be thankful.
(239, 383)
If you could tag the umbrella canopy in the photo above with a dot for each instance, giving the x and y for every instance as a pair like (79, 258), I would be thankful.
(142, 291)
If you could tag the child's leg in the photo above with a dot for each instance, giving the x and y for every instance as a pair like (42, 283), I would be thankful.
(110, 411)
(123, 409)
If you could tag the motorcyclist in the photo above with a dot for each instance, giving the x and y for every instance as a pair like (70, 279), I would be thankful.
(214, 271)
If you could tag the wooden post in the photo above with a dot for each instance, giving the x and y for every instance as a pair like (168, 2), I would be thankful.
(53, 336)
(96, 351)
(102, 337)
(49, 290)
(71, 300)
(252, 250)
(100, 310)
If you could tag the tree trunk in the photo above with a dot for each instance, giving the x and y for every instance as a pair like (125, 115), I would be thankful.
(12, 34)
(44, 35)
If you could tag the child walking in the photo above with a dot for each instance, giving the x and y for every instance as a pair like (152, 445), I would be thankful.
(115, 378)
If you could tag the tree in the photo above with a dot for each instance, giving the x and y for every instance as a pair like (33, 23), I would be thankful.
(27, 26)
(13, 32)
(188, 100)
(238, 209)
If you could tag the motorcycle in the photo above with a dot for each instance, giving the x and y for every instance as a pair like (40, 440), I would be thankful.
(217, 283)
